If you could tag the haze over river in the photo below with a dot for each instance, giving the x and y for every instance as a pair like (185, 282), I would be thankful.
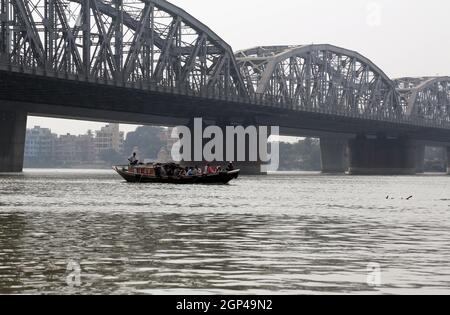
(297, 233)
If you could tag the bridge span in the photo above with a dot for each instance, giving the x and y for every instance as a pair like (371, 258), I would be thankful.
(150, 62)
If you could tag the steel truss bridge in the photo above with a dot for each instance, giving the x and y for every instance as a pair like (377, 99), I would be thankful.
(156, 45)
(67, 52)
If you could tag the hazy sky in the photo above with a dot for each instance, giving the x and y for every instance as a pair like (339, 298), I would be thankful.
(403, 37)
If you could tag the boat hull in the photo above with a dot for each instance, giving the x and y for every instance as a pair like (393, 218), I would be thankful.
(213, 179)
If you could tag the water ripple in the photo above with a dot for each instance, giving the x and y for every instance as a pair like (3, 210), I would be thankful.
(279, 234)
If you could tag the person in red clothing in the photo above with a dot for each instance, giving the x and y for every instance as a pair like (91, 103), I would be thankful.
(210, 169)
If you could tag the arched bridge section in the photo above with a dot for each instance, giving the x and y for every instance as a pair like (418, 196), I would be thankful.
(320, 77)
(427, 98)
(123, 42)
(148, 61)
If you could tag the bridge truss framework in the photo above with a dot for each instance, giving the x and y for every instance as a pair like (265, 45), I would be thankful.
(154, 45)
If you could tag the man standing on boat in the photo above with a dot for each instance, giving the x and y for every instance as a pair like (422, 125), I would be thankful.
(133, 159)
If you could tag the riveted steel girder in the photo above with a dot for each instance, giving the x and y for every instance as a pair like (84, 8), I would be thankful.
(426, 97)
(323, 77)
(153, 44)
(145, 42)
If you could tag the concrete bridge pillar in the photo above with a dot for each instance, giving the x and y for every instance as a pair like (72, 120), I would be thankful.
(12, 140)
(334, 155)
(382, 156)
(420, 158)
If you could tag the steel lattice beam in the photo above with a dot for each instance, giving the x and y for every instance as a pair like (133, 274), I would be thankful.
(320, 77)
(145, 42)
(426, 97)
(153, 44)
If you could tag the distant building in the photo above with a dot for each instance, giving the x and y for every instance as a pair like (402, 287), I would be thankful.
(39, 145)
(45, 149)
(66, 149)
(85, 148)
(71, 149)
(109, 138)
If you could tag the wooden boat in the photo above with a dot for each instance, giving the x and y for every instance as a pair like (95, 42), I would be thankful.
(151, 174)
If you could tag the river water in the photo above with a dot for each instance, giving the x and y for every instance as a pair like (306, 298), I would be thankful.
(72, 231)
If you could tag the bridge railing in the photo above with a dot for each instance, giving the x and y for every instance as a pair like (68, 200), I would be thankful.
(384, 116)
(213, 94)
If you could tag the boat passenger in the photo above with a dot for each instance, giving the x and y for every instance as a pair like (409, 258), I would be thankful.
(170, 170)
(211, 170)
(230, 167)
(157, 170)
(133, 159)
(163, 171)
(190, 172)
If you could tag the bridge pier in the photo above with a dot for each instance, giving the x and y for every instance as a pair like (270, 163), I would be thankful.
(247, 167)
(382, 156)
(12, 140)
(420, 159)
(334, 155)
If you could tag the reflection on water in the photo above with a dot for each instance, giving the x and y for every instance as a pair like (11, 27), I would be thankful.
(286, 233)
